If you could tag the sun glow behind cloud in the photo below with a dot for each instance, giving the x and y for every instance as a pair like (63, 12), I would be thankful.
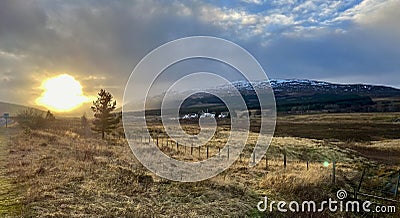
(62, 93)
(316, 39)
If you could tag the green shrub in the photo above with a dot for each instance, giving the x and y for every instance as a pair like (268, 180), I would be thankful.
(31, 118)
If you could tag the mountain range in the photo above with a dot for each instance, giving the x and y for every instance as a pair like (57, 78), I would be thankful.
(299, 96)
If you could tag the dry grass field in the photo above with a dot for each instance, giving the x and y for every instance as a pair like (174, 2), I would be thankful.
(9, 194)
(66, 172)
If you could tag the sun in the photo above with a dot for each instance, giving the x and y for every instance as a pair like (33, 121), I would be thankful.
(62, 93)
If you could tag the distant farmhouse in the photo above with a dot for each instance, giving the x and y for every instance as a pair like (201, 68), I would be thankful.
(190, 116)
(207, 114)
(223, 115)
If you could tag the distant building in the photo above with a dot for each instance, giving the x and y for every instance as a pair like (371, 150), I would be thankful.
(190, 116)
(204, 115)
(223, 115)
(207, 115)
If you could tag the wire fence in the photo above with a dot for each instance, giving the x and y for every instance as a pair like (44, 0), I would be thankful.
(281, 160)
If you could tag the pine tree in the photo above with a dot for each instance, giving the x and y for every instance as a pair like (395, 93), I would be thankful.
(105, 121)
(50, 116)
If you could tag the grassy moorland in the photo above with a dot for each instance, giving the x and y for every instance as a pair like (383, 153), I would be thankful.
(344, 127)
(65, 171)
(9, 196)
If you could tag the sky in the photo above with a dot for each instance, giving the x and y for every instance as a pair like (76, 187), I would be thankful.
(100, 42)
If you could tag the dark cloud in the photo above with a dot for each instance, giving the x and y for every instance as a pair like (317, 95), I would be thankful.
(353, 53)
(100, 42)
(368, 52)
(95, 38)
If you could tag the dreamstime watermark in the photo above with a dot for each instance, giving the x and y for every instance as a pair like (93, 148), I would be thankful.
(338, 205)
(147, 78)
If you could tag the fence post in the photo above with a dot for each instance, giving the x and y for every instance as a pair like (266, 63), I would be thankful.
(284, 159)
(167, 142)
(199, 151)
(219, 152)
(191, 150)
(177, 145)
(207, 151)
(254, 157)
(266, 162)
(228, 152)
(157, 140)
(334, 171)
(355, 193)
(397, 185)
(361, 179)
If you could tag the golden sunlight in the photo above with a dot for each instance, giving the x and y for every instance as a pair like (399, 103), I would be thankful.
(62, 93)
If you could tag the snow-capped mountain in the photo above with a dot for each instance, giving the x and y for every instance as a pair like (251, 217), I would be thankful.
(306, 95)
(293, 95)
(297, 87)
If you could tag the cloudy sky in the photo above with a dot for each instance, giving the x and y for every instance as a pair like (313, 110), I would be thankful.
(99, 42)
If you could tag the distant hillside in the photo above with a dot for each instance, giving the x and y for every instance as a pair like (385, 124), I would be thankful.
(311, 87)
(12, 109)
(296, 87)
(298, 96)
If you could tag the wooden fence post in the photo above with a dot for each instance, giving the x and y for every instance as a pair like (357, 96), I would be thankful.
(334, 172)
(355, 193)
(228, 152)
(361, 179)
(199, 151)
(266, 162)
(191, 150)
(284, 159)
(357, 189)
(207, 151)
(157, 140)
(177, 145)
(254, 157)
(307, 165)
(397, 185)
